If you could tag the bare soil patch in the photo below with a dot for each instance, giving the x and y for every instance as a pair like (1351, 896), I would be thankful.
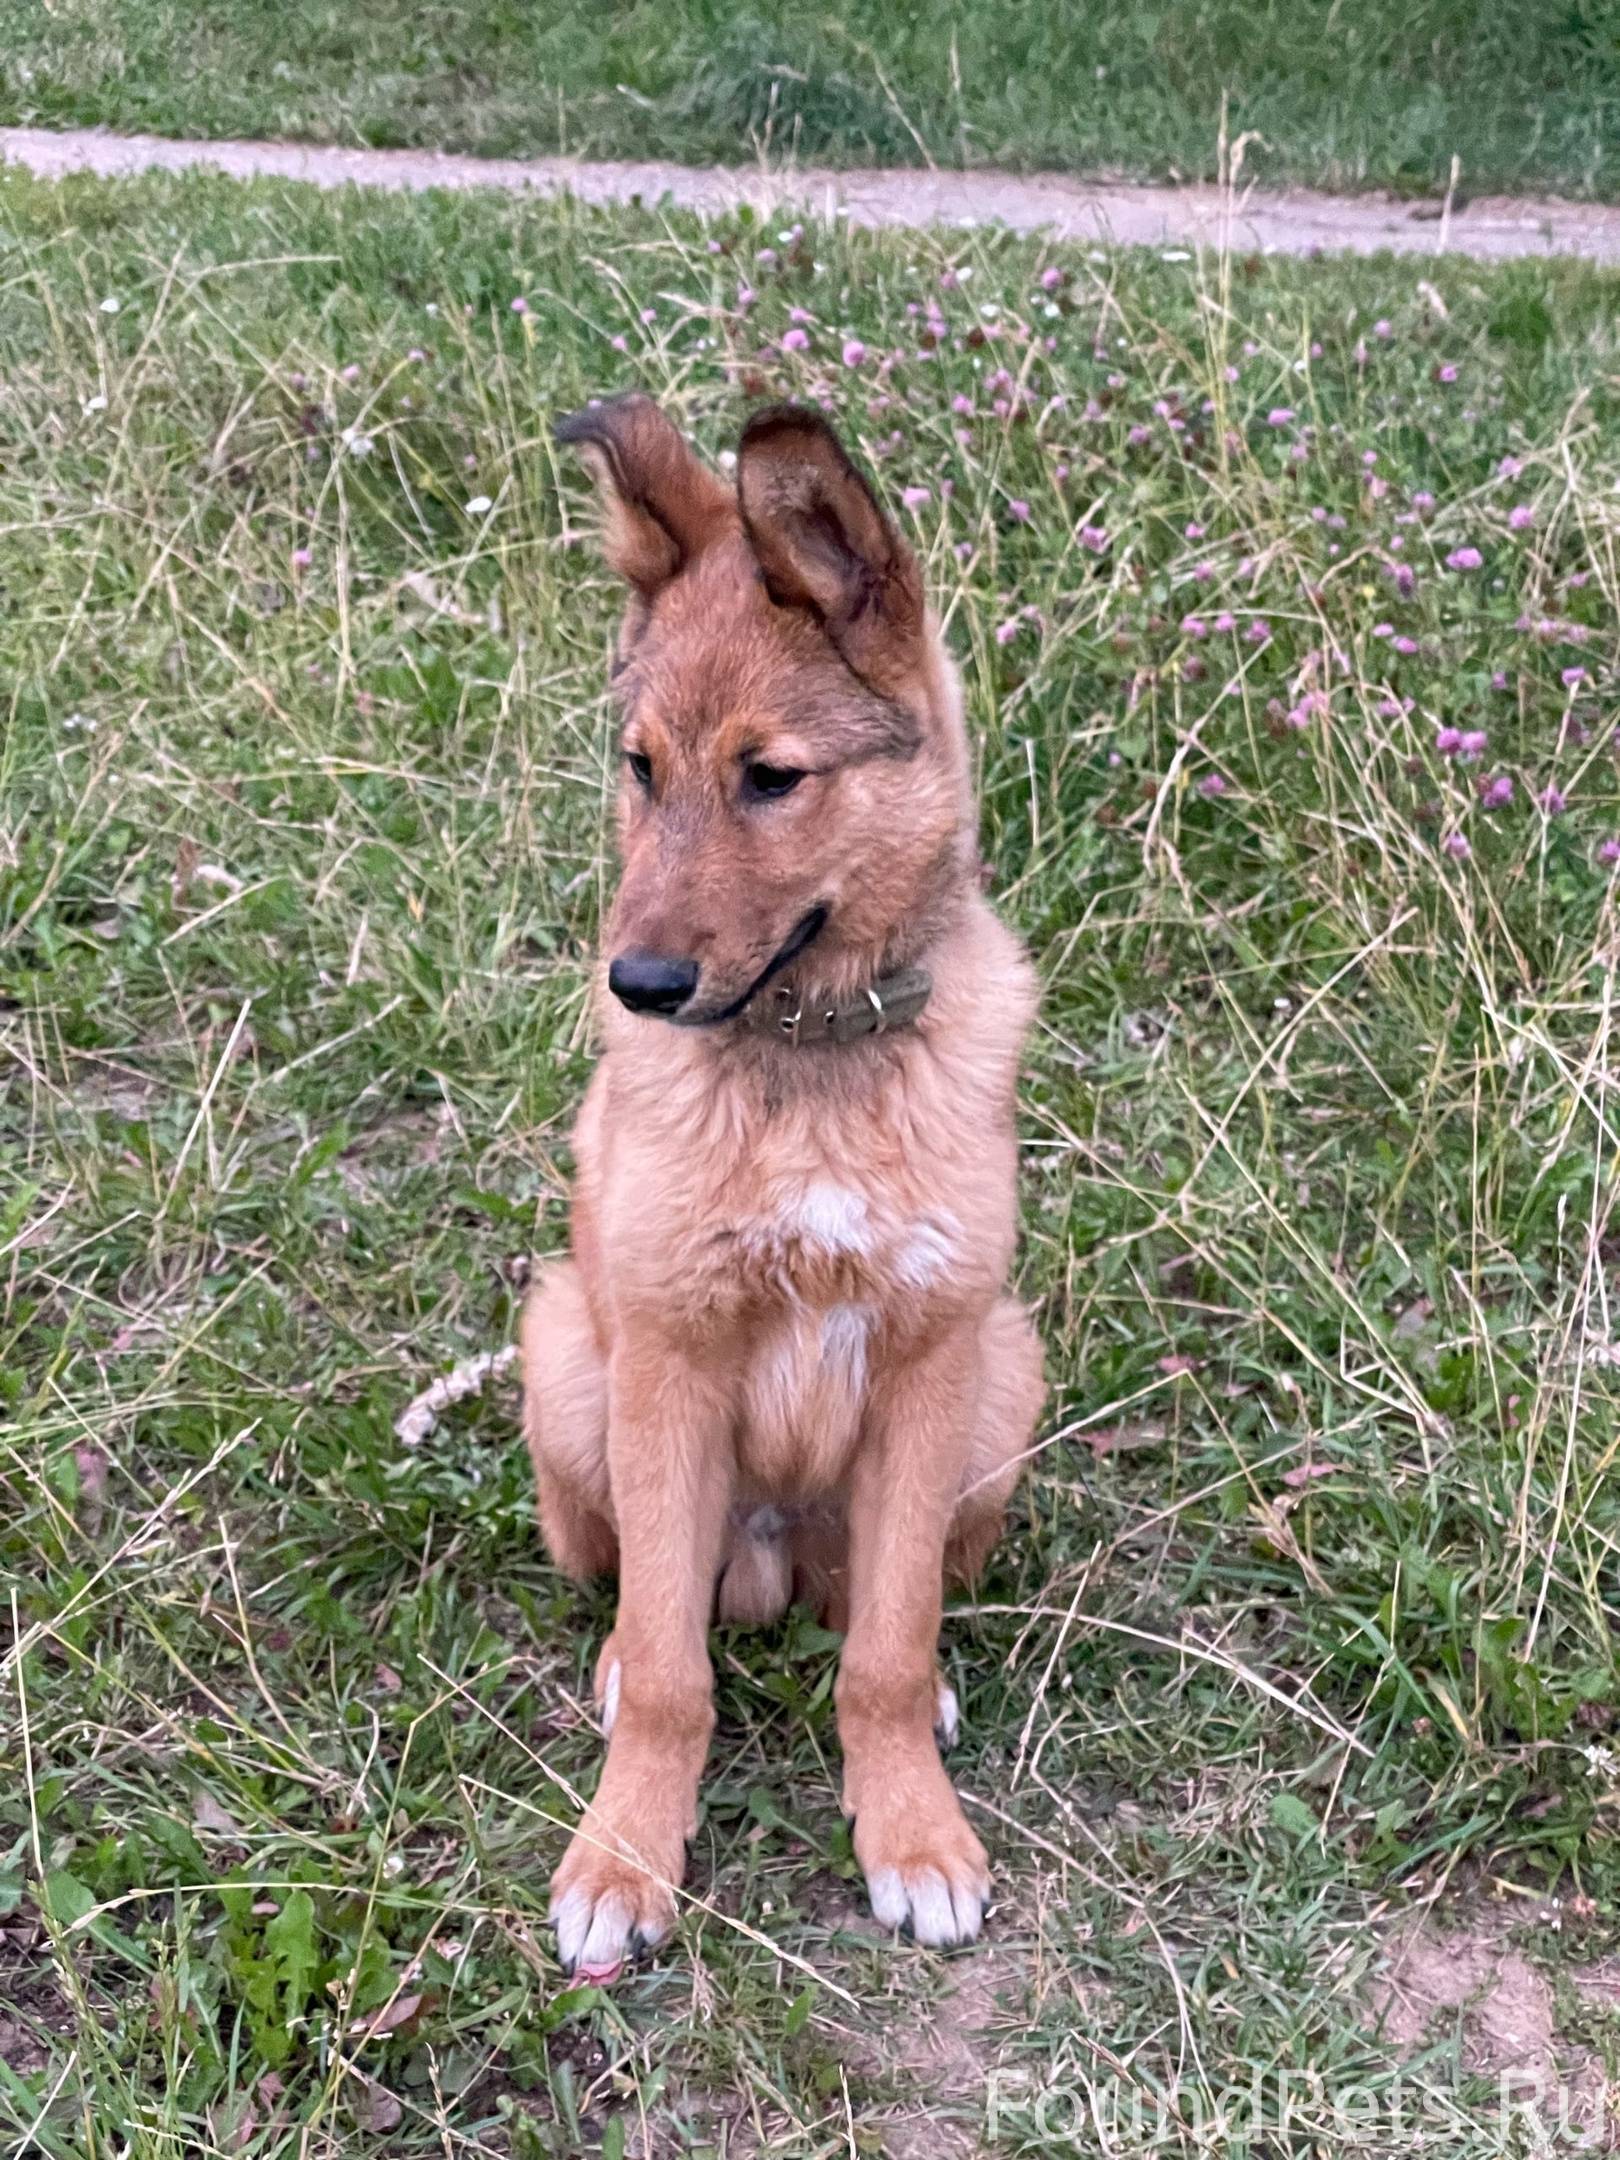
(1471, 1982)
(1292, 221)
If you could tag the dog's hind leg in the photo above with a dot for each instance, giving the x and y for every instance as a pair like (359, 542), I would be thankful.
(565, 1423)
(1012, 1387)
(821, 1568)
(756, 1575)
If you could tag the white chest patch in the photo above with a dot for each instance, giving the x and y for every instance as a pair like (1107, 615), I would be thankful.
(926, 1251)
(844, 1329)
(832, 1217)
(803, 1398)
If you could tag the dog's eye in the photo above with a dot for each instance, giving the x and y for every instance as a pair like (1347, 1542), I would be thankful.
(641, 766)
(770, 780)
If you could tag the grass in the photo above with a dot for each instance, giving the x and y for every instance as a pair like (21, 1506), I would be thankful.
(1372, 94)
(1305, 1624)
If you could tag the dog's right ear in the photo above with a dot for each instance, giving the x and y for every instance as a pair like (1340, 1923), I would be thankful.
(661, 505)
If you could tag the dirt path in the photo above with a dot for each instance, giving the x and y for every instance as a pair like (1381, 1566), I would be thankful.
(1489, 228)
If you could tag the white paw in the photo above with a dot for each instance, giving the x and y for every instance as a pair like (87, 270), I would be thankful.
(944, 1905)
(947, 1715)
(594, 1936)
(610, 1699)
(598, 1931)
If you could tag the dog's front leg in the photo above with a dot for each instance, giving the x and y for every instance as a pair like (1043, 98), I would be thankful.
(922, 1862)
(670, 1465)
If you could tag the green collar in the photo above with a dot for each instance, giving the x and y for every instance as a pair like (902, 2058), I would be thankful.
(893, 1001)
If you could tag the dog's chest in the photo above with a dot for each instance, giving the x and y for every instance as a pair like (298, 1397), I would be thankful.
(824, 1275)
(820, 1244)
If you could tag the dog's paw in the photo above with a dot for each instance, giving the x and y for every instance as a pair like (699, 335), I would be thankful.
(925, 1869)
(605, 1686)
(606, 1911)
(947, 1714)
(942, 1905)
(607, 1695)
(757, 1586)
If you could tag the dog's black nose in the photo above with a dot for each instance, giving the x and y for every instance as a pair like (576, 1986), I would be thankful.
(651, 982)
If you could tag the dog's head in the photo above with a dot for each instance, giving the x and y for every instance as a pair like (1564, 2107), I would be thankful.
(794, 765)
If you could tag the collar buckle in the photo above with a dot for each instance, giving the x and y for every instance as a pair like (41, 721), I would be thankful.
(893, 1001)
(879, 1008)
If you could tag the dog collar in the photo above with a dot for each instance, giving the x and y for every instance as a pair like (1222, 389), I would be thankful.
(893, 1001)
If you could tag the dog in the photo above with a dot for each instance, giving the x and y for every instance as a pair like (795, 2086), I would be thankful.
(781, 1360)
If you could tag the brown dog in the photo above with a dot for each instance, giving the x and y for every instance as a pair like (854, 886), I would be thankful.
(780, 1357)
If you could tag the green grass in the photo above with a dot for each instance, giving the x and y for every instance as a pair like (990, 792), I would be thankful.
(1307, 1612)
(1373, 93)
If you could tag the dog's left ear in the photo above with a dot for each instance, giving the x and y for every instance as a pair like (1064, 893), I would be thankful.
(661, 505)
(824, 544)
